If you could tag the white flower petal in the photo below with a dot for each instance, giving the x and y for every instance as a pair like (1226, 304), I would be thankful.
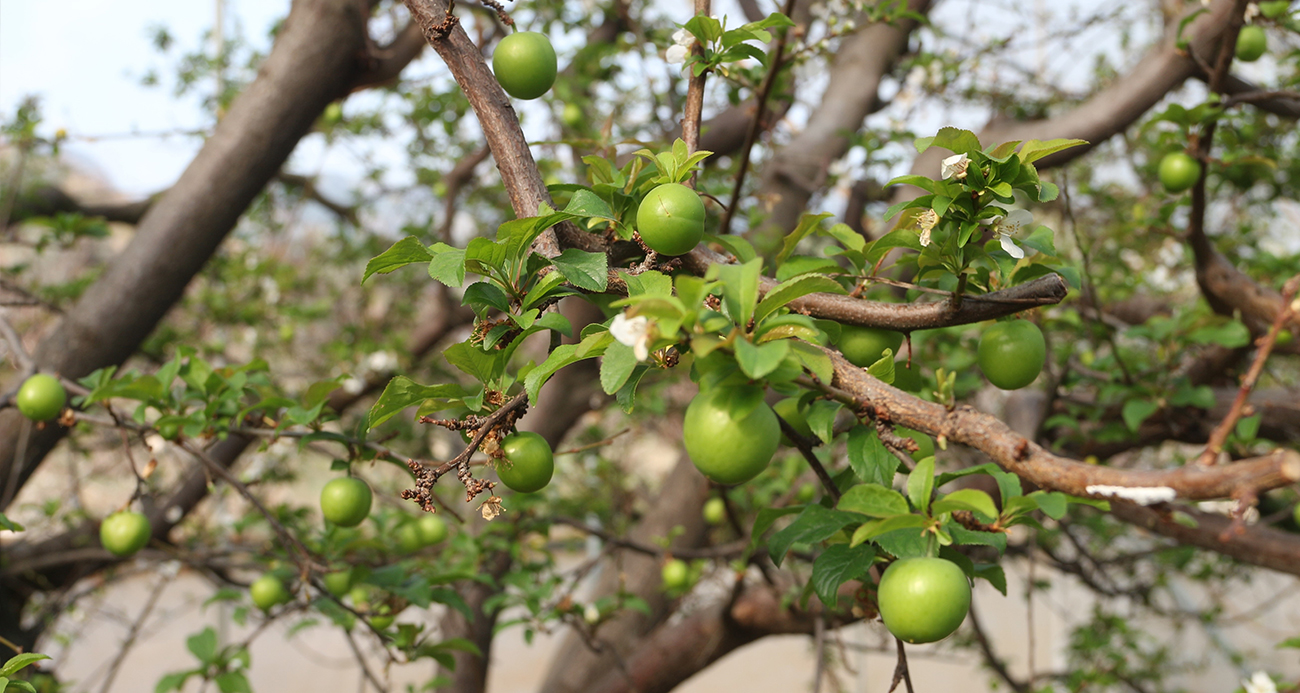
(676, 54)
(925, 238)
(954, 166)
(1259, 682)
(641, 350)
(1010, 246)
(627, 330)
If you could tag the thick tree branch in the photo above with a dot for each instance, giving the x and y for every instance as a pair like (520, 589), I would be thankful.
(1021, 456)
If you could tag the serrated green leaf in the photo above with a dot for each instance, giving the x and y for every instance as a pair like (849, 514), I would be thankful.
(920, 484)
(402, 392)
(739, 288)
(821, 418)
(883, 526)
(21, 661)
(616, 366)
(758, 361)
(448, 266)
(814, 524)
(405, 252)
(585, 270)
(966, 499)
(961, 535)
(1033, 150)
(484, 366)
(869, 458)
(839, 564)
(873, 501)
(955, 140)
(798, 287)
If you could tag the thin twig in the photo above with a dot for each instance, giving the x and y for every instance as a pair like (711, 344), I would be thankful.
(900, 670)
(361, 660)
(1220, 434)
(134, 632)
(729, 550)
(804, 445)
(760, 106)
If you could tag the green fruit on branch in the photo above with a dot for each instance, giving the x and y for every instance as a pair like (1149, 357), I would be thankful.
(715, 511)
(1012, 354)
(268, 591)
(346, 501)
(676, 574)
(339, 582)
(863, 346)
(1179, 171)
(41, 397)
(124, 533)
(525, 65)
(789, 410)
(409, 538)
(806, 493)
(923, 599)
(671, 219)
(730, 433)
(1252, 44)
(528, 464)
(432, 529)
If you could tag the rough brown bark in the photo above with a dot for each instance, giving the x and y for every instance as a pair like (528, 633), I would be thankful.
(575, 667)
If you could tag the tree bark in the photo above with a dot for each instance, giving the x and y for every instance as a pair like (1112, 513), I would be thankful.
(315, 61)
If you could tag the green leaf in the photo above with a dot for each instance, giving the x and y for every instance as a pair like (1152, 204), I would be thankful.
(585, 270)
(739, 288)
(955, 140)
(758, 361)
(1052, 503)
(815, 360)
(837, 565)
(961, 535)
(821, 418)
(966, 499)
(483, 295)
(1033, 150)
(883, 526)
(814, 524)
(925, 183)
(808, 223)
(1247, 429)
(175, 681)
(798, 287)
(402, 392)
(474, 362)
(763, 521)
(586, 203)
(1231, 334)
(883, 368)
(232, 682)
(203, 645)
(873, 501)
(869, 458)
(898, 238)
(1136, 411)
(405, 252)
(561, 357)
(920, 484)
(615, 367)
(21, 661)
(626, 395)
(6, 523)
(448, 265)
(994, 574)
(651, 282)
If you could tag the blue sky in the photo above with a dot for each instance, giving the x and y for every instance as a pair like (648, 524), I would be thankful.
(85, 58)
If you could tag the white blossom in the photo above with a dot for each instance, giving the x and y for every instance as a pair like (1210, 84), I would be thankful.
(1142, 495)
(633, 332)
(1252, 11)
(381, 361)
(677, 53)
(591, 614)
(955, 166)
(1010, 225)
(925, 223)
(1259, 682)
